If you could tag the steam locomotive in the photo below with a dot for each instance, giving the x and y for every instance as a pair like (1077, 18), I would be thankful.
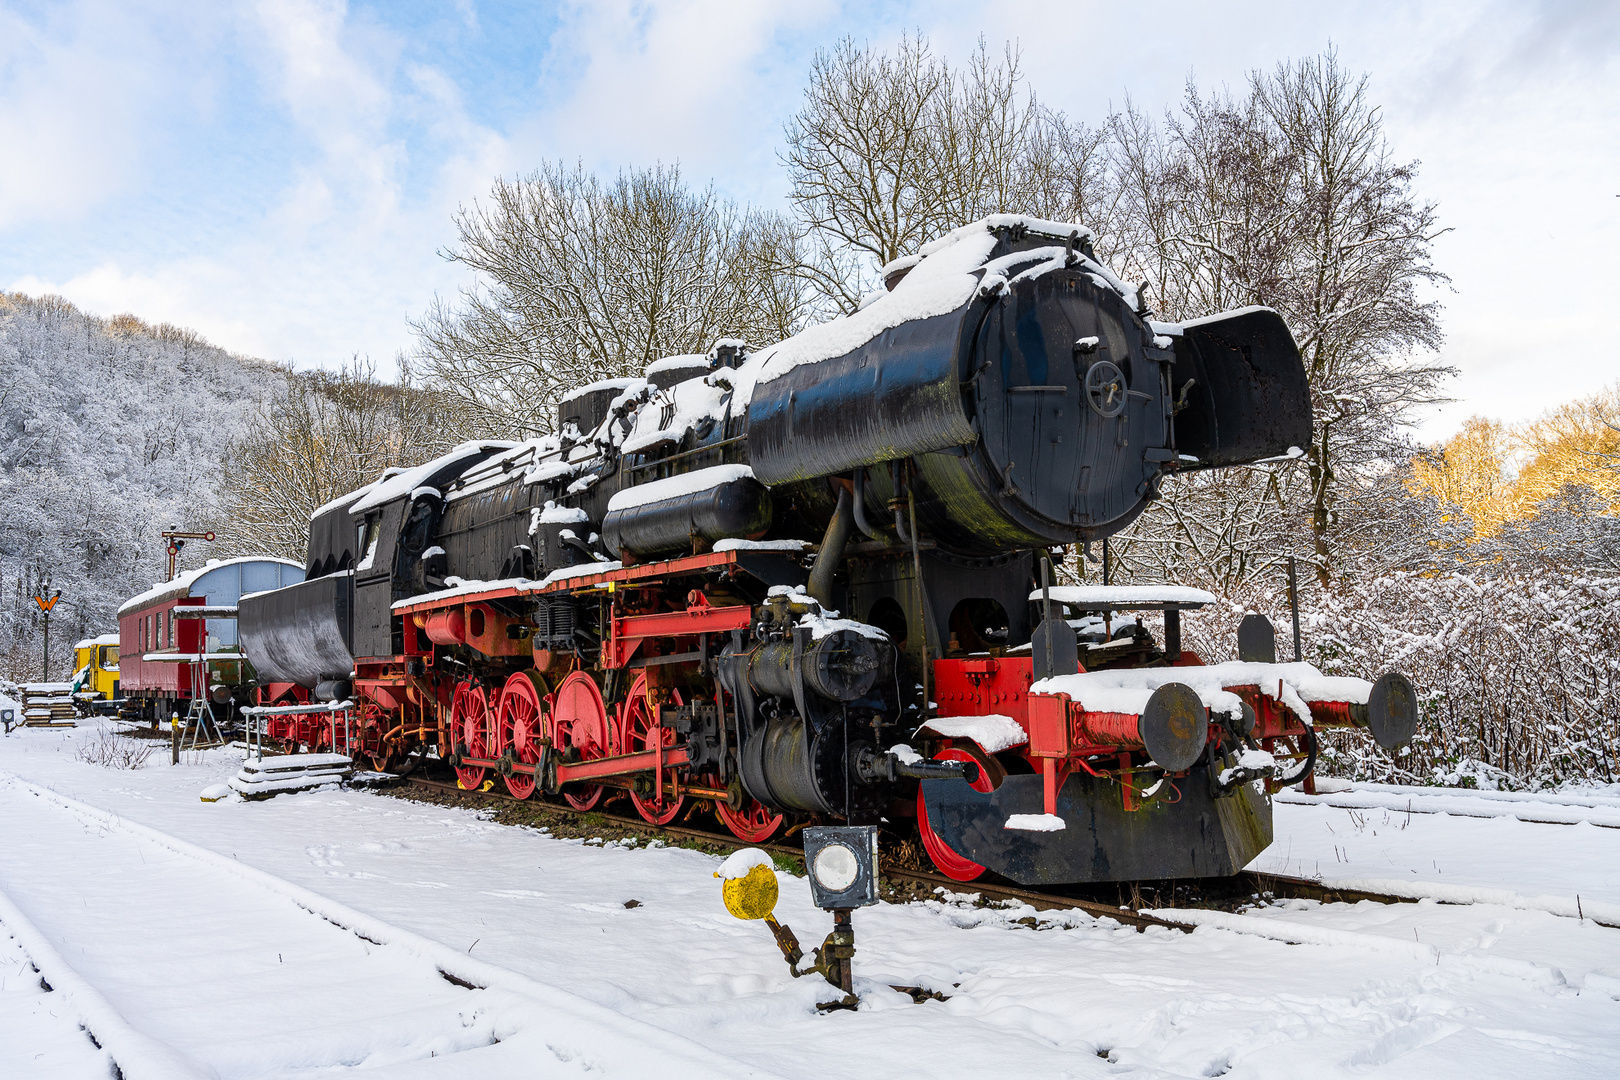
(813, 581)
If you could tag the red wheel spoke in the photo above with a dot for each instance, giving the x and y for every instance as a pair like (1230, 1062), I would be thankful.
(752, 823)
(581, 725)
(385, 756)
(469, 711)
(522, 725)
(639, 730)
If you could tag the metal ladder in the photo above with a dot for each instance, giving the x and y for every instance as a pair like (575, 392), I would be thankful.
(200, 717)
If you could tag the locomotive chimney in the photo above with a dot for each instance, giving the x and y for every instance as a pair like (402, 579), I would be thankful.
(893, 273)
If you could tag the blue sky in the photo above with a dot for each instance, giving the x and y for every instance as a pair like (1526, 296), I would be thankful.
(280, 175)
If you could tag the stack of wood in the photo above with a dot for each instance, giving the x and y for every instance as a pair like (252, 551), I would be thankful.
(47, 704)
(261, 778)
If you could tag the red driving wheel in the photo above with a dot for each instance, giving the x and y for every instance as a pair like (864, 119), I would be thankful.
(752, 823)
(954, 866)
(469, 720)
(385, 756)
(580, 722)
(638, 727)
(522, 721)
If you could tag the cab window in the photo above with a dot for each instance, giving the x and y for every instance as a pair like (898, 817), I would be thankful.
(370, 532)
(109, 658)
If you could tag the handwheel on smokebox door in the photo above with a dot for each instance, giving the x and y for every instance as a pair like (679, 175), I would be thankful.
(954, 866)
(523, 724)
(638, 727)
(469, 724)
(580, 723)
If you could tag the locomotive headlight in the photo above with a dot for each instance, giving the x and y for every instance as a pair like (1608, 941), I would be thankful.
(842, 861)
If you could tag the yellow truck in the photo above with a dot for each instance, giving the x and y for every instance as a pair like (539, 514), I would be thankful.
(95, 675)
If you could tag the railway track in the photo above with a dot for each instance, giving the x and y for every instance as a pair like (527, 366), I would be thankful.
(905, 881)
(187, 999)
(1218, 905)
(921, 945)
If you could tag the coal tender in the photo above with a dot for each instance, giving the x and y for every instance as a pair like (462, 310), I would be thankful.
(813, 582)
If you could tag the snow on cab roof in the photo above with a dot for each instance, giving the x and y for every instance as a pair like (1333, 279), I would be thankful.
(403, 483)
(92, 642)
(342, 500)
(181, 585)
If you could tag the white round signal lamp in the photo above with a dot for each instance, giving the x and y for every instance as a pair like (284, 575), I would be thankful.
(836, 868)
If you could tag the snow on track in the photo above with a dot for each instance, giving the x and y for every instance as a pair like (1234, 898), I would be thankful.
(265, 978)
(1455, 847)
(39, 1026)
(1030, 993)
(1549, 809)
(137, 1055)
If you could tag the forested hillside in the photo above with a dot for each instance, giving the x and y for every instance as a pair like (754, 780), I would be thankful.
(113, 429)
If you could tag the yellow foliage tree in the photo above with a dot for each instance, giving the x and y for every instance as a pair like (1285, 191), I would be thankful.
(1577, 443)
(1470, 472)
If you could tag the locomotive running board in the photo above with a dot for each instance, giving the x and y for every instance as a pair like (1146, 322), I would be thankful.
(1196, 836)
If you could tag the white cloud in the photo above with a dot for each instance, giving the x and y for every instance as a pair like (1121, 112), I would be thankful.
(82, 88)
(326, 150)
(334, 80)
(377, 156)
(702, 82)
(1511, 109)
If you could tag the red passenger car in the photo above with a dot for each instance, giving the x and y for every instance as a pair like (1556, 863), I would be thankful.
(166, 659)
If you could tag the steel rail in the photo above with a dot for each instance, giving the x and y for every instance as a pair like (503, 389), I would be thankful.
(1140, 918)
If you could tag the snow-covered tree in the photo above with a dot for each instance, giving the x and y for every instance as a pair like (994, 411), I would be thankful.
(580, 279)
(320, 434)
(890, 150)
(1286, 196)
(113, 430)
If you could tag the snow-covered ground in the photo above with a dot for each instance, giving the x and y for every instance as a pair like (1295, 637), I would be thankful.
(306, 935)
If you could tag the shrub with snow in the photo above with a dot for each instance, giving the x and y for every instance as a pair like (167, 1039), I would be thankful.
(114, 751)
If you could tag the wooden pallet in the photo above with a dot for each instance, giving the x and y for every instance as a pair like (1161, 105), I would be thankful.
(48, 705)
